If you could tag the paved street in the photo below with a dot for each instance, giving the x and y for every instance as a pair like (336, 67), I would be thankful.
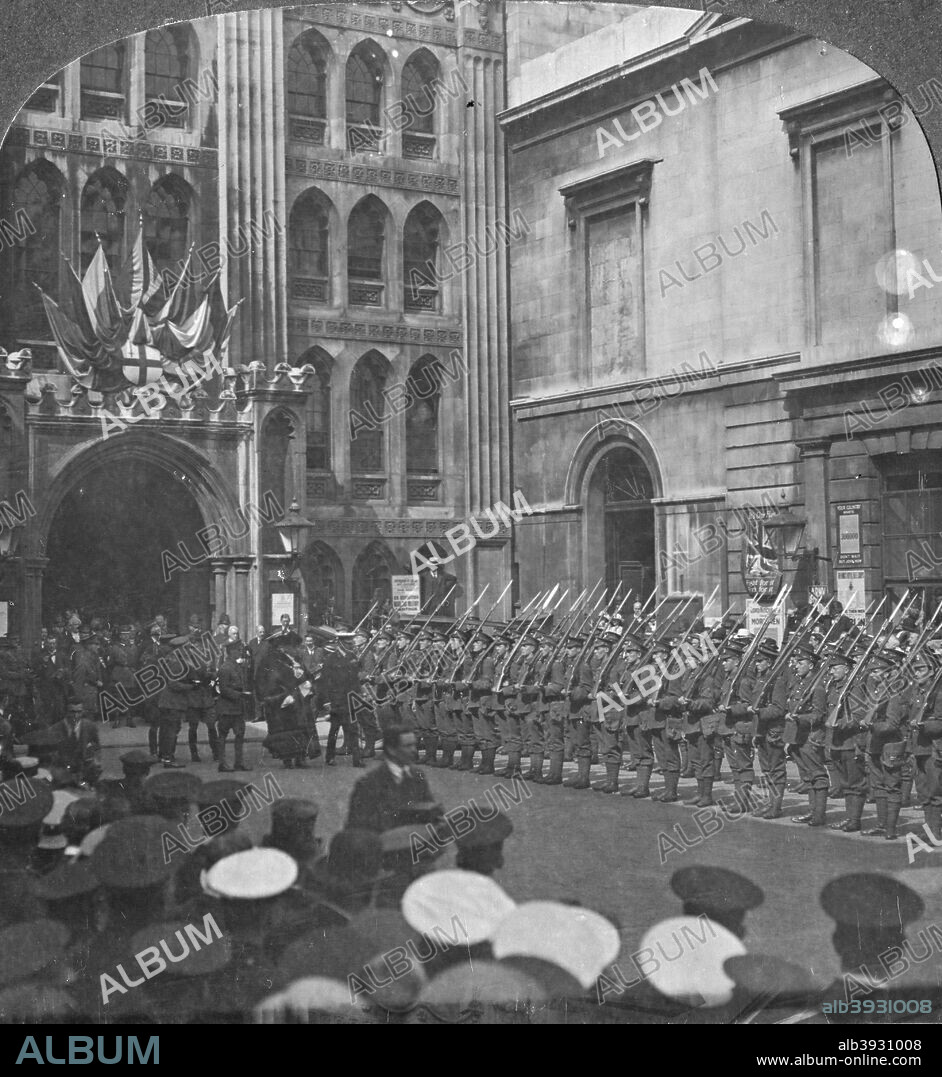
(604, 852)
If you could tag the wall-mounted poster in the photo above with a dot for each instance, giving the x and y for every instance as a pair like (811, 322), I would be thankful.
(848, 535)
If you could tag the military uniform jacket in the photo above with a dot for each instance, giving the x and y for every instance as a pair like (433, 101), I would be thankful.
(926, 725)
(737, 720)
(769, 705)
(702, 716)
(636, 705)
(580, 695)
(889, 730)
(12, 672)
(847, 733)
(122, 661)
(422, 674)
(808, 717)
(557, 683)
(234, 681)
(482, 687)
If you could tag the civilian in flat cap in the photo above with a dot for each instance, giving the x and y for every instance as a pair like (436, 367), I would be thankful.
(388, 796)
(482, 849)
(79, 745)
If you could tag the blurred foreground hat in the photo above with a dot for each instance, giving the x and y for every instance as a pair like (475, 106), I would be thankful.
(871, 901)
(578, 940)
(463, 900)
(131, 854)
(29, 947)
(69, 880)
(487, 832)
(719, 893)
(697, 974)
(178, 936)
(252, 875)
(485, 981)
(24, 802)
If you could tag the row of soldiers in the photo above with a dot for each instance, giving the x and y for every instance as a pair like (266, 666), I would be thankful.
(683, 702)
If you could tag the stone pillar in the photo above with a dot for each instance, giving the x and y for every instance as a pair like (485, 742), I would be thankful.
(484, 282)
(252, 210)
(220, 570)
(814, 454)
(31, 599)
(245, 611)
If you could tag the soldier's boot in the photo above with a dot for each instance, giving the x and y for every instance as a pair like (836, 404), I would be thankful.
(761, 811)
(694, 802)
(449, 746)
(220, 756)
(431, 750)
(594, 757)
(855, 807)
(880, 828)
(892, 817)
(467, 757)
(581, 778)
(741, 796)
(191, 741)
(555, 775)
(535, 773)
(668, 794)
(706, 796)
(774, 810)
(355, 758)
(567, 754)
(819, 800)
(907, 792)
(512, 770)
(643, 788)
(610, 785)
(486, 766)
(806, 818)
(933, 823)
(239, 758)
(152, 739)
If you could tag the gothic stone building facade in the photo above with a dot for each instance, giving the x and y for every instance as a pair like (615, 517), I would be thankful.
(330, 164)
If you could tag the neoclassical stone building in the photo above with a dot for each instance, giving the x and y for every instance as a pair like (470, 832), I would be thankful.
(341, 168)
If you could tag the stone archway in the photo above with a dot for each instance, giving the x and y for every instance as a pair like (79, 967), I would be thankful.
(112, 514)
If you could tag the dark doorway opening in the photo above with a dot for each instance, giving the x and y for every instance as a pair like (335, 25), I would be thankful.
(107, 545)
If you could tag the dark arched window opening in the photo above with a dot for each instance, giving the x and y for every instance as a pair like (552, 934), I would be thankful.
(308, 248)
(307, 88)
(421, 241)
(419, 78)
(166, 214)
(318, 411)
(364, 94)
(372, 580)
(422, 425)
(368, 414)
(627, 490)
(37, 197)
(102, 214)
(366, 241)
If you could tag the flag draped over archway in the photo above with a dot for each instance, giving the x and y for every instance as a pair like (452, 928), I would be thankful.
(109, 345)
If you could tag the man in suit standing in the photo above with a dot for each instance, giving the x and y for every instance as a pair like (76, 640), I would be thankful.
(79, 744)
(394, 794)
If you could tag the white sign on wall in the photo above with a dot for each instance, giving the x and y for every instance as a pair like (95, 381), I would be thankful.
(756, 615)
(406, 594)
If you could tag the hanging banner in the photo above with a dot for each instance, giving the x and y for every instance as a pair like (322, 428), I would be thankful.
(406, 594)
(761, 573)
(849, 550)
